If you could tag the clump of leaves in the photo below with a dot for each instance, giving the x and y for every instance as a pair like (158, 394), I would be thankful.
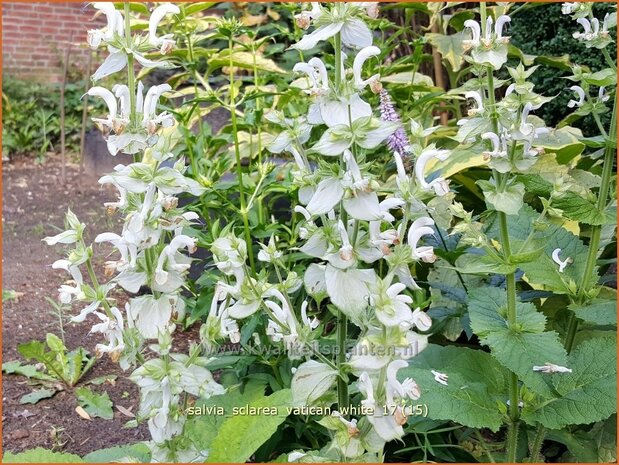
(56, 367)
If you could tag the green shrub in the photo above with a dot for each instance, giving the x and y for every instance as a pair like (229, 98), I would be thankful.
(31, 117)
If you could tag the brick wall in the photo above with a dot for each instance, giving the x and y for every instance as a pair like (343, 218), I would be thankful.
(35, 36)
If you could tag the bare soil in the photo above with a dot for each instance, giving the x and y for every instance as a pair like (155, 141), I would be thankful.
(34, 203)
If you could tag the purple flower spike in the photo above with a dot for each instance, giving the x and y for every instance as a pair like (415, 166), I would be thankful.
(398, 141)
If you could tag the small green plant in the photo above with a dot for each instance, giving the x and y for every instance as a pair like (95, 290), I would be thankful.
(56, 368)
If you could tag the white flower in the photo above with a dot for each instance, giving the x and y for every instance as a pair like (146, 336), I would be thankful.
(151, 315)
(220, 319)
(110, 101)
(602, 95)
(128, 250)
(391, 307)
(173, 261)
(581, 97)
(283, 325)
(112, 330)
(69, 236)
(316, 71)
(396, 390)
(421, 227)
(478, 101)
(475, 40)
(499, 146)
(562, 263)
(367, 389)
(304, 18)
(269, 253)
(150, 120)
(115, 25)
(552, 368)
(439, 185)
(65, 292)
(357, 67)
(229, 253)
(165, 42)
(440, 378)
(311, 324)
(568, 8)
(354, 32)
(421, 320)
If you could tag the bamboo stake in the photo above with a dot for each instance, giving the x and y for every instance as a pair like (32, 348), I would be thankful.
(85, 111)
(67, 55)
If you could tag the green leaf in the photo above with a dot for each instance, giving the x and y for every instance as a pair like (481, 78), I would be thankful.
(603, 78)
(96, 405)
(482, 265)
(564, 142)
(508, 201)
(586, 395)
(573, 204)
(244, 60)
(597, 312)
(37, 395)
(543, 271)
(520, 348)
(40, 455)
(408, 78)
(139, 453)
(204, 421)
(241, 435)
(30, 371)
(450, 48)
(475, 387)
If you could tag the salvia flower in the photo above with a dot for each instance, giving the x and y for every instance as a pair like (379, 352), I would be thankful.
(357, 67)
(165, 43)
(551, 368)
(492, 48)
(562, 263)
(591, 35)
(439, 185)
(340, 18)
(115, 25)
(580, 93)
(440, 378)
(421, 227)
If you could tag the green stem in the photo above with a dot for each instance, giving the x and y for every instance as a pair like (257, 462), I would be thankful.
(342, 321)
(338, 61)
(483, 445)
(130, 66)
(342, 384)
(239, 170)
(514, 396)
(537, 444)
(609, 59)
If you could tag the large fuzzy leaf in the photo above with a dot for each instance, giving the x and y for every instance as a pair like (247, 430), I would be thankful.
(475, 389)
(545, 272)
(138, 452)
(241, 435)
(96, 405)
(40, 455)
(519, 348)
(586, 395)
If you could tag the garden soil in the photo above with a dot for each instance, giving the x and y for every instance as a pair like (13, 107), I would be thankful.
(34, 203)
